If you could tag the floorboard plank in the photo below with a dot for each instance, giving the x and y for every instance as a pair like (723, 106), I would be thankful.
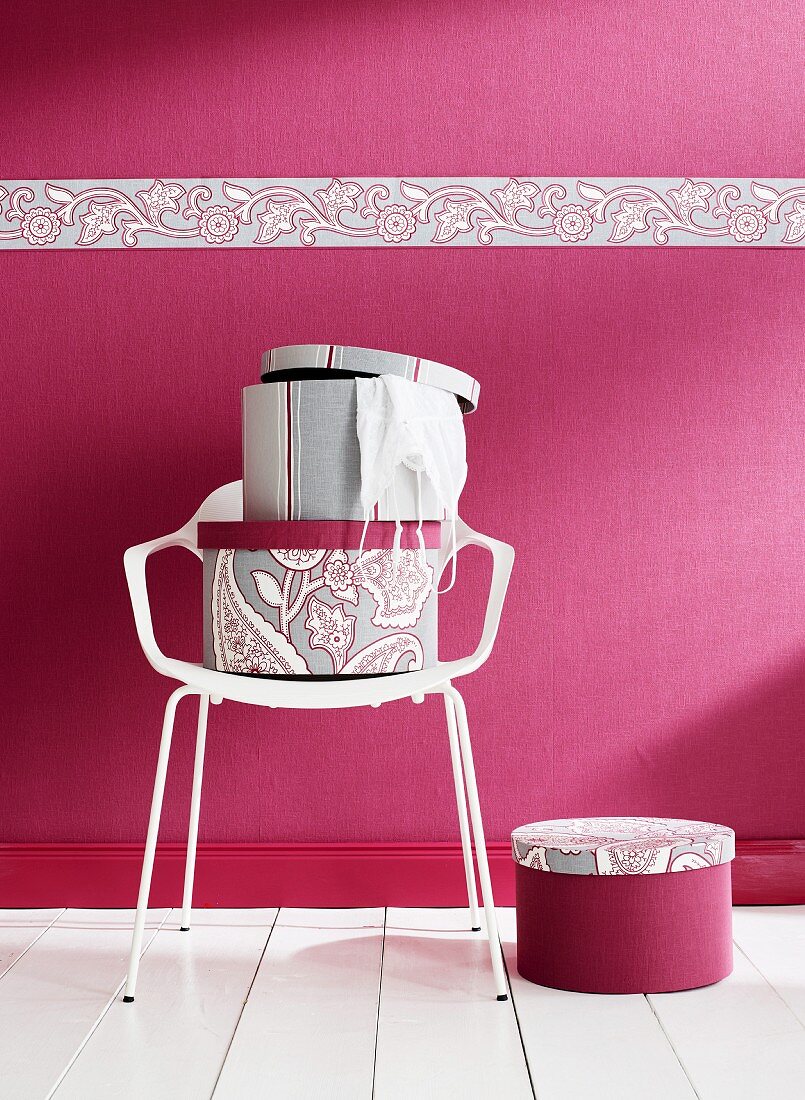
(441, 1032)
(56, 993)
(308, 1027)
(190, 992)
(311, 1026)
(19, 928)
(737, 1038)
(773, 938)
(583, 1045)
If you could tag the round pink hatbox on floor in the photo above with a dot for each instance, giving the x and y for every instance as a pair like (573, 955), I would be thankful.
(599, 909)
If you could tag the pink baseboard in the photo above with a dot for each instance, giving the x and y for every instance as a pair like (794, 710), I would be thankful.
(769, 872)
(765, 872)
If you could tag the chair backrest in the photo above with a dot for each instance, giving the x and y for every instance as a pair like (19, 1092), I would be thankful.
(225, 504)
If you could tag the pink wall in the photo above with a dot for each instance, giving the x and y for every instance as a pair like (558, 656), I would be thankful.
(639, 437)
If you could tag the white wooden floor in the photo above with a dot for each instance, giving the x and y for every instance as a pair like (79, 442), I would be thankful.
(394, 1004)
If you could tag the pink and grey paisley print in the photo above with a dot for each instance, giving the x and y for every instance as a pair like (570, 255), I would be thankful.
(244, 641)
(622, 845)
(399, 583)
(297, 612)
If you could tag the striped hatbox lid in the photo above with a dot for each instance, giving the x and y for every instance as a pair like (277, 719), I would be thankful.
(298, 359)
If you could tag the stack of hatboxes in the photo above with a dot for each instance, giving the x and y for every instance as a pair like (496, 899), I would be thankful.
(304, 586)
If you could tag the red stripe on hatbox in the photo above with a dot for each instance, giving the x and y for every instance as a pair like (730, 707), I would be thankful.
(416, 370)
(330, 356)
(288, 451)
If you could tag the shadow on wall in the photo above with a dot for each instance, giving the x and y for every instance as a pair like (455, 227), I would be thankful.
(737, 763)
(74, 674)
(125, 48)
(704, 766)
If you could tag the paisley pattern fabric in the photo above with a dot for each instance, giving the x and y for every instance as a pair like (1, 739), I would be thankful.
(622, 845)
(399, 584)
(244, 641)
(296, 612)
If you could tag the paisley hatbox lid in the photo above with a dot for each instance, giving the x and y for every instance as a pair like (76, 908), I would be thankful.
(622, 845)
(297, 360)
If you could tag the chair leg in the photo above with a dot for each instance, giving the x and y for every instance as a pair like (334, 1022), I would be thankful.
(195, 805)
(151, 841)
(480, 845)
(461, 803)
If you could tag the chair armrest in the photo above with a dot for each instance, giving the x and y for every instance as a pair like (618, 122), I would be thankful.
(502, 563)
(134, 561)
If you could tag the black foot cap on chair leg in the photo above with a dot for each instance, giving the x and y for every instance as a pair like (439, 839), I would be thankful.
(183, 929)
(476, 928)
(128, 1000)
(503, 997)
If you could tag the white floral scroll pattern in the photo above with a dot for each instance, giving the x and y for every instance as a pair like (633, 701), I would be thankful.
(394, 213)
(399, 583)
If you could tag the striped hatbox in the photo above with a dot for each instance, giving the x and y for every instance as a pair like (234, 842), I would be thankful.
(312, 360)
(302, 459)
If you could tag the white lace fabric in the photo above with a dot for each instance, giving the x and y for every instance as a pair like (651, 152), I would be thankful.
(421, 427)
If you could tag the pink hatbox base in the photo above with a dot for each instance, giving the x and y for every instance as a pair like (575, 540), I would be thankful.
(624, 934)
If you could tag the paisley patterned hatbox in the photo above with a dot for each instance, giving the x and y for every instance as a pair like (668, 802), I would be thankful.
(612, 916)
(622, 845)
(291, 599)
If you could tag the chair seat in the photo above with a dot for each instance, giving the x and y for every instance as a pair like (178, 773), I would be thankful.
(622, 845)
(305, 694)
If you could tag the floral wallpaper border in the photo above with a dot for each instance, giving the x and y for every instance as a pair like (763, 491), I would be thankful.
(401, 212)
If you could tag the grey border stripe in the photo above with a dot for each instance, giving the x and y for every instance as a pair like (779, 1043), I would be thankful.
(400, 212)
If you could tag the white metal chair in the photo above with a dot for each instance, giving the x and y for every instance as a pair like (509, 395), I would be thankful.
(210, 686)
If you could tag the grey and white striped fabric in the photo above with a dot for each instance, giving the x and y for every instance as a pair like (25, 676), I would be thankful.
(301, 457)
(318, 357)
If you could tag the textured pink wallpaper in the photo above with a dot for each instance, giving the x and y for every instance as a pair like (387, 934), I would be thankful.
(639, 437)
